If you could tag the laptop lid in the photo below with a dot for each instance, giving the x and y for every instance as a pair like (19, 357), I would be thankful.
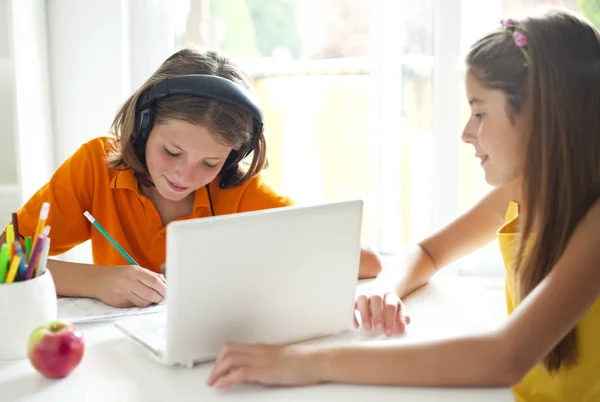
(272, 276)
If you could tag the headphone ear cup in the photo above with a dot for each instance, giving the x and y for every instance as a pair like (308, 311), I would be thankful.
(145, 123)
(226, 177)
(230, 166)
(142, 130)
(254, 141)
(229, 169)
(231, 158)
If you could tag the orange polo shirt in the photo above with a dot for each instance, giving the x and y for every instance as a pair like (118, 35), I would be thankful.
(84, 182)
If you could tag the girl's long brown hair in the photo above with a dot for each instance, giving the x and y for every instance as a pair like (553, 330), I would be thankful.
(555, 91)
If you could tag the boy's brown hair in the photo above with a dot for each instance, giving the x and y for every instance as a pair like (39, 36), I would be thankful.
(232, 125)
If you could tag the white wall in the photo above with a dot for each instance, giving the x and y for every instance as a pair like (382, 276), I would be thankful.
(99, 52)
(26, 157)
(446, 112)
(9, 189)
(151, 38)
(34, 120)
(88, 69)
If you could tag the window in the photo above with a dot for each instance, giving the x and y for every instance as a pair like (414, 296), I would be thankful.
(364, 99)
(313, 74)
(333, 132)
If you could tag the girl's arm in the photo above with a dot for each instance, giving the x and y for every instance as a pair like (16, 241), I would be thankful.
(499, 358)
(474, 229)
(503, 358)
(380, 307)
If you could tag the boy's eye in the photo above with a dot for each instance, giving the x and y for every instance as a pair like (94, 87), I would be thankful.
(172, 154)
(479, 115)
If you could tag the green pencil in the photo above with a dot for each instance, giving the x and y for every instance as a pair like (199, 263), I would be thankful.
(3, 262)
(109, 238)
(28, 245)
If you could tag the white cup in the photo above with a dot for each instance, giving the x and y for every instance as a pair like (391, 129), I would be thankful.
(23, 307)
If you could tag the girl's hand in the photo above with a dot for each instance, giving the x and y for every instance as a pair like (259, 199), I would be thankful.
(131, 285)
(265, 364)
(382, 310)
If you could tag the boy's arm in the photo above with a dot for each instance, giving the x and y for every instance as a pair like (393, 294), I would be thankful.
(75, 279)
(370, 264)
(122, 286)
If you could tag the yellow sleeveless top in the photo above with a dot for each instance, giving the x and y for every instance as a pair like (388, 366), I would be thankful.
(580, 383)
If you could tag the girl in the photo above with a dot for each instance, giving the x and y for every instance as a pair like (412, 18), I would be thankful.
(533, 90)
(175, 153)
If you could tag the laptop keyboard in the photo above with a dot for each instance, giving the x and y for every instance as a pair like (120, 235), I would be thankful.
(156, 338)
(158, 332)
(151, 330)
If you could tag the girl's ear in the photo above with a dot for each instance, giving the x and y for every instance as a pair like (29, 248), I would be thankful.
(516, 119)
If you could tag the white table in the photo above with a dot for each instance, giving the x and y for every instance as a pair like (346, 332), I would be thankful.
(116, 369)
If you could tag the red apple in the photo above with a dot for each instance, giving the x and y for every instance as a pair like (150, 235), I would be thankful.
(55, 348)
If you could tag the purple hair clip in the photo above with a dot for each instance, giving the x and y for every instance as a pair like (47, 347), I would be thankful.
(513, 30)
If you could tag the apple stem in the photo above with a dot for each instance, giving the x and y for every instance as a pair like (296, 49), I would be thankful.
(56, 326)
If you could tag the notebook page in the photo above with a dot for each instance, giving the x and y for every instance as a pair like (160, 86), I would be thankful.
(82, 310)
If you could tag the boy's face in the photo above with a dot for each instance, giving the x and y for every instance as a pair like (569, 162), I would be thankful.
(183, 157)
(493, 135)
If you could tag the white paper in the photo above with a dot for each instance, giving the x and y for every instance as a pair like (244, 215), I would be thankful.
(82, 310)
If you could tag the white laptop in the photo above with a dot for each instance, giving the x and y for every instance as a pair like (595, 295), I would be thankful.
(273, 276)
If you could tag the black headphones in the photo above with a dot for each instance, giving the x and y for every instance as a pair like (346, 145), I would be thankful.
(209, 86)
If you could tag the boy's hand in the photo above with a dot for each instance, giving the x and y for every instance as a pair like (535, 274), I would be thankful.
(131, 285)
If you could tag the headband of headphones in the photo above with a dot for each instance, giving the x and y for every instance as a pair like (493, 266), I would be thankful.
(208, 86)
